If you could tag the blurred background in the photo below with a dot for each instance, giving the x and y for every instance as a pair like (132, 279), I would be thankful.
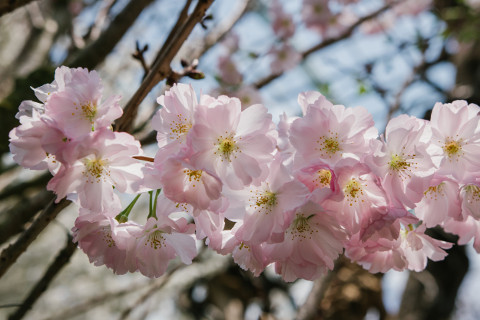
(391, 57)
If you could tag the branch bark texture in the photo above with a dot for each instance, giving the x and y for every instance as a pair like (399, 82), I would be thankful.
(161, 67)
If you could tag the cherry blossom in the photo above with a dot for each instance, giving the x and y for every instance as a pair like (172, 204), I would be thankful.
(233, 144)
(456, 135)
(282, 22)
(101, 162)
(160, 240)
(331, 132)
(440, 201)
(94, 234)
(262, 210)
(77, 108)
(173, 121)
(285, 57)
(312, 242)
(402, 161)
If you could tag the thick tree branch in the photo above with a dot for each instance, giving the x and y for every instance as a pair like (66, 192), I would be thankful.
(7, 6)
(94, 53)
(60, 261)
(13, 221)
(12, 252)
(161, 67)
(327, 42)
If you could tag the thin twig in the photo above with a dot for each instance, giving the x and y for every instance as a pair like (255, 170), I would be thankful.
(13, 251)
(161, 67)
(327, 42)
(138, 55)
(60, 261)
(97, 51)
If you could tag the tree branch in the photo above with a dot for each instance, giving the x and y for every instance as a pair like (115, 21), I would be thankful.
(97, 51)
(13, 251)
(327, 42)
(161, 67)
(60, 261)
(13, 221)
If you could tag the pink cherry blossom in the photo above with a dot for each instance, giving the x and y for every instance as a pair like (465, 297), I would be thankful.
(314, 99)
(98, 164)
(456, 135)
(210, 225)
(362, 193)
(162, 239)
(312, 243)
(235, 145)
(467, 229)
(26, 144)
(417, 247)
(250, 257)
(285, 57)
(410, 250)
(470, 198)
(331, 133)
(412, 7)
(402, 161)
(316, 14)
(229, 74)
(184, 182)
(322, 182)
(378, 255)
(173, 121)
(261, 211)
(248, 96)
(78, 109)
(440, 201)
(94, 234)
(285, 149)
(282, 22)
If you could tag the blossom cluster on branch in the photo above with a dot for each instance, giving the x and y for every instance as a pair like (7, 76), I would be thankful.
(296, 194)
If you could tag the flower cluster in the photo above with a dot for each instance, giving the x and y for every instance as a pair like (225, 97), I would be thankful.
(294, 195)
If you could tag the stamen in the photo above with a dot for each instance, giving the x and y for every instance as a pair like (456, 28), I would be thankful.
(301, 228)
(453, 148)
(196, 175)
(226, 146)
(353, 191)
(324, 177)
(96, 169)
(179, 127)
(263, 200)
(329, 145)
(155, 240)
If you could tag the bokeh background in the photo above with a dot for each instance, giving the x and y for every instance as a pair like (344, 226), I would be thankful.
(391, 57)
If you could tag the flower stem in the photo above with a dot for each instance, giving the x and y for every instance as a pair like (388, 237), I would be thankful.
(123, 216)
(152, 208)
